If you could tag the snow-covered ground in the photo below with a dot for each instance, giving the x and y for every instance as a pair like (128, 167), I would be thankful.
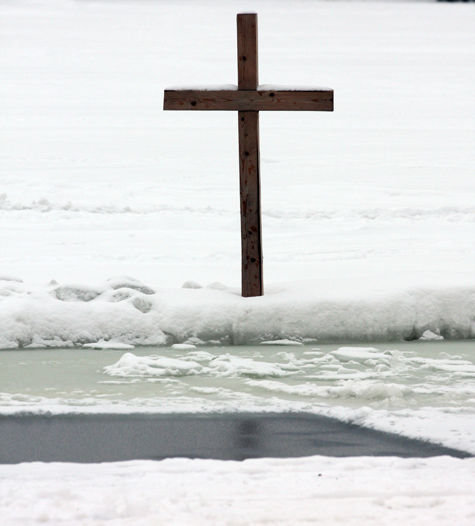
(368, 212)
(368, 225)
(312, 490)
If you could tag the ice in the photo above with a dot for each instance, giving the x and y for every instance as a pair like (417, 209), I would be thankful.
(281, 342)
(110, 344)
(418, 389)
(223, 365)
(428, 335)
(359, 354)
(351, 389)
(230, 365)
(132, 365)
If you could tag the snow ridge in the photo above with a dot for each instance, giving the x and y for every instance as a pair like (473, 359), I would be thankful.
(450, 213)
(125, 310)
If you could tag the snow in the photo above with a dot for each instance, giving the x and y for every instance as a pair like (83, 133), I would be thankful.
(201, 87)
(109, 205)
(233, 87)
(350, 491)
(280, 87)
(130, 312)
(99, 181)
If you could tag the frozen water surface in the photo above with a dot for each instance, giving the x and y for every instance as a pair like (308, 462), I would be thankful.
(423, 389)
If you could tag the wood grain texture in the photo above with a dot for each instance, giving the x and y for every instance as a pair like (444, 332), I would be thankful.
(255, 100)
(247, 51)
(250, 194)
(249, 163)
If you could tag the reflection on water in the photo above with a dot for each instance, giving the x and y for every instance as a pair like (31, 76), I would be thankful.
(247, 434)
(105, 438)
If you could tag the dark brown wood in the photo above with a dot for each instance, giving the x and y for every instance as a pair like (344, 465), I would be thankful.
(249, 168)
(256, 100)
(250, 194)
(248, 100)
(247, 51)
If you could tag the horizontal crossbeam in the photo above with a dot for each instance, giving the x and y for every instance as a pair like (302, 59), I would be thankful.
(249, 100)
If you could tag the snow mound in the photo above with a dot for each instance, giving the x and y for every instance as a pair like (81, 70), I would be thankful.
(113, 313)
(131, 312)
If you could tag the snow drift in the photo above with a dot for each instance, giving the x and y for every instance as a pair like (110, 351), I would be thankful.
(127, 311)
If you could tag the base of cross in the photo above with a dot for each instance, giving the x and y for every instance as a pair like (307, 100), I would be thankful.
(248, 100)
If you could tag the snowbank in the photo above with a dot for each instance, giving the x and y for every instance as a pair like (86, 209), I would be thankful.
(311, 490)
(127, 311)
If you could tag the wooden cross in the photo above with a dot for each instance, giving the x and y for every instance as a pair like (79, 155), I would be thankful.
(248, 100)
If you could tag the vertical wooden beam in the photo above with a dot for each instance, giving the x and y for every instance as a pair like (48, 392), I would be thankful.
(250, 193)
(247, 51)
(249, 168)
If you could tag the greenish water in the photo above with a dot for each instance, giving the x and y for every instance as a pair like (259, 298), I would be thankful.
(385, 376)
